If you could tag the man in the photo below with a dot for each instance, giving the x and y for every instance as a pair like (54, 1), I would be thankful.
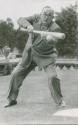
(39, 51)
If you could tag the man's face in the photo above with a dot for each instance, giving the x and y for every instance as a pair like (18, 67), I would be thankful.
(47, 16)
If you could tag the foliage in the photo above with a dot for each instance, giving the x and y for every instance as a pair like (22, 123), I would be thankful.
(7, 36)
(67, 19)
(10, 36)
(21, 39)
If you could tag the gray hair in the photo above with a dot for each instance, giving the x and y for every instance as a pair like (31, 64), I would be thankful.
(49, 9)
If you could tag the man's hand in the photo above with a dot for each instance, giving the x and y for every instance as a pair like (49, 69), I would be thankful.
(48, 38)
(29, 29)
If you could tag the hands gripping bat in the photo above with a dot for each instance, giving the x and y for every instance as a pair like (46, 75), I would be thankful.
(24, 24)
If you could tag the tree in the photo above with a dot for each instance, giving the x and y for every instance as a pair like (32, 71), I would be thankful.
(9, 22)
(21, 39)
(7, 34)
(67, 20)
(10, 36)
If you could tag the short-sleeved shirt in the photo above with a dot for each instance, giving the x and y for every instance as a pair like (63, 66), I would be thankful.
(43, 52)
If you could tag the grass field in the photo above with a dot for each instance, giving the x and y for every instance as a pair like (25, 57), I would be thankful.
(35, 104)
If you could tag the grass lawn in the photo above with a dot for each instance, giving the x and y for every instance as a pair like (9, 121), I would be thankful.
(35, 104)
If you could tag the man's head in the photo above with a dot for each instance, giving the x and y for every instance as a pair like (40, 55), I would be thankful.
(47, 15)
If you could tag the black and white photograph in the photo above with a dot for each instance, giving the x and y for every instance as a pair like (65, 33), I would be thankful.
(38, 62)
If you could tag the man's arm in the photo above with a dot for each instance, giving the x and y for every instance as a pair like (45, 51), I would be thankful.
(26, 26)
(26, 21)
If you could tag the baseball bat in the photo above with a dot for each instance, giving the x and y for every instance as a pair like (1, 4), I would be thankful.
(23, 23)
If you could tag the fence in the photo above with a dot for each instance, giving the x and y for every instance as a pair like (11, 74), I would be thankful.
(6, 68)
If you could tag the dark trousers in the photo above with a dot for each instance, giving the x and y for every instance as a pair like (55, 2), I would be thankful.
(26, 65)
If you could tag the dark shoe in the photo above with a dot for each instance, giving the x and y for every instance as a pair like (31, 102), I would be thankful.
(12, 103)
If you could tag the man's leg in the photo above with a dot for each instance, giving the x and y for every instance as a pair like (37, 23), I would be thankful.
(54, 84)
(18, 75)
